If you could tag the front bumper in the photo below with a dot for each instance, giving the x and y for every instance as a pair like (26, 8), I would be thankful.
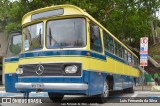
(51, 86)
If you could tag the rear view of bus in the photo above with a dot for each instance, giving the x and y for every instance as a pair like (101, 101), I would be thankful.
(11, 61)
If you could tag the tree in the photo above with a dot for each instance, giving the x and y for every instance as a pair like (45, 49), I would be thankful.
(126, 19)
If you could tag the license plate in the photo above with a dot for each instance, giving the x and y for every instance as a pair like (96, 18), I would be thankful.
(37, 86)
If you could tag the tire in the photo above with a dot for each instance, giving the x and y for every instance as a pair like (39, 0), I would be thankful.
(102, 98)
(57, 98)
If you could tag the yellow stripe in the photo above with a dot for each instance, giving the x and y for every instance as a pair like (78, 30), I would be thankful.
(111, 66)
(10, 67)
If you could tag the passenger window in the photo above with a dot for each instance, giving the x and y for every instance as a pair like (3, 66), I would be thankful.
(129, 57)
(111, 45)
(118, 49)
(136, 61)
(95, 38)
(125, 55)
(132, 59)
(122, 52)
(106, 41)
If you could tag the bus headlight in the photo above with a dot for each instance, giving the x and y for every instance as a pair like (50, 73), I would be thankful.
(19, 71)
(71, 69)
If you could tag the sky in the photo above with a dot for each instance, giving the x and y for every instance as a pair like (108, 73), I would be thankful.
(158, 13)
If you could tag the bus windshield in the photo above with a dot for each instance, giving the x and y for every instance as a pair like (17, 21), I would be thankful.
(66, 33)
(14, 47)
(33, 37)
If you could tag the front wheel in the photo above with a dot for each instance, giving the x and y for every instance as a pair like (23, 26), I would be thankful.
(55, 97)
(103, 97)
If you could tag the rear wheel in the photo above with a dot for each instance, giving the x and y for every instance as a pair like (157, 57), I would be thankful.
(55, 97)
(103, 97)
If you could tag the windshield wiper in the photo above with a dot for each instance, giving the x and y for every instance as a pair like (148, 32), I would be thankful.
(52, 38)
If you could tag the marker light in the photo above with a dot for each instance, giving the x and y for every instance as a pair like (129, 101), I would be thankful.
(71, 69)
(19, 71)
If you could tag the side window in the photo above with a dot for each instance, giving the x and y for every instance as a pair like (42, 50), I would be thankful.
(129, 57)
(118, 49)
(122, 52)
(14, 47)
(133, 59)
(106, 40)
(126, 55)
(136, 61)
(111, 45)
(95, 39)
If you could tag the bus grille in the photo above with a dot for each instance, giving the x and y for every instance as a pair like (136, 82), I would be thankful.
(49, 69)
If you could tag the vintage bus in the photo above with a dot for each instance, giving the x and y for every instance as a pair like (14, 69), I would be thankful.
(65, 51)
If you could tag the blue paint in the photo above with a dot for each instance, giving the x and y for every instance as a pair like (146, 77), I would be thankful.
(96, 82)
(117, 79)
(13, 59)
(122, 82)
(127, 82)
(10, 82)
(83, 79)
(142, 48)
(62, 52)
(146, 55)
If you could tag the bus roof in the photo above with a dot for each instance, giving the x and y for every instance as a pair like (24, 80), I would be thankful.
(69, 10)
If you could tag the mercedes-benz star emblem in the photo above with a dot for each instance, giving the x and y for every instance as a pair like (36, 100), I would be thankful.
(39, 69)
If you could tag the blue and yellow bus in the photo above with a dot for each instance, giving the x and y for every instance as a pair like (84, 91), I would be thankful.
(66, 51)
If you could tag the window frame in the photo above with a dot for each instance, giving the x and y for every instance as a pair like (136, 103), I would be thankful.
(100, 37)
(23, 37)
(62, 19)
(106, 35)
(125, 55)
(129, 56)
(118, 49)
(9, 43)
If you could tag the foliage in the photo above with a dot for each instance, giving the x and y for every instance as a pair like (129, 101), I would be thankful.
(154, 52)
(127, 19)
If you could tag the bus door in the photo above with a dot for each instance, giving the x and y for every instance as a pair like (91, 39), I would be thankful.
(99, 57)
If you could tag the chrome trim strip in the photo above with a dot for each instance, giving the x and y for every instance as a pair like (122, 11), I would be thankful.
(53, 86)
